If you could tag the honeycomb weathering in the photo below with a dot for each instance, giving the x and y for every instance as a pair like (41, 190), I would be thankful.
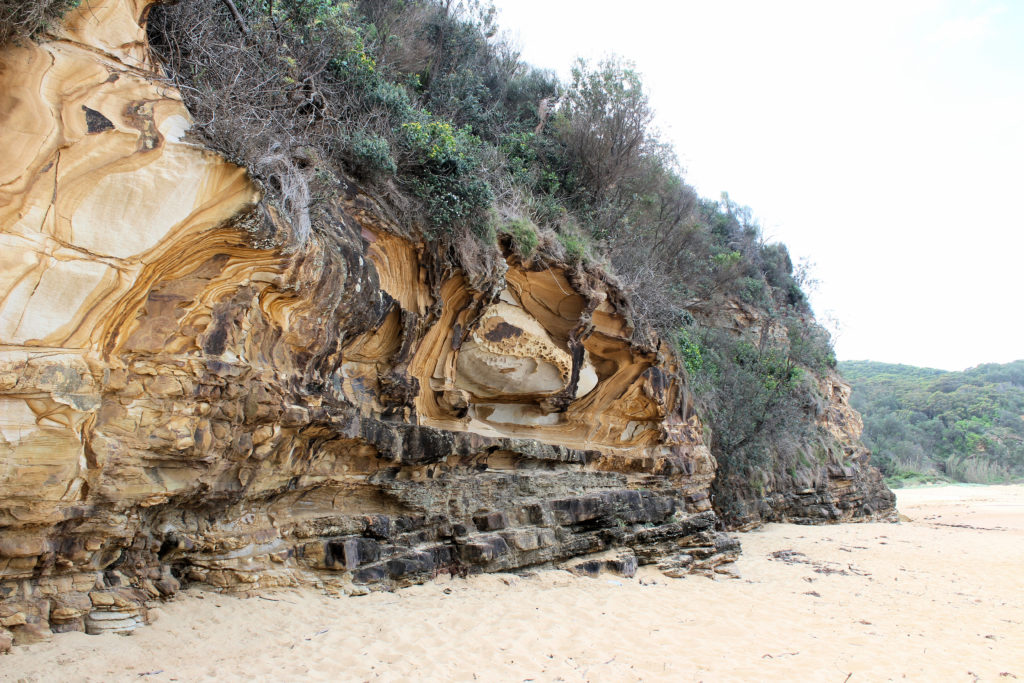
(183, 399)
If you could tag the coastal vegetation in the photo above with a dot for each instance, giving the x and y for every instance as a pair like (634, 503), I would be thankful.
(928, 425)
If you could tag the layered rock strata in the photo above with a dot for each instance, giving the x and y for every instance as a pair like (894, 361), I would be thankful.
(187, 396)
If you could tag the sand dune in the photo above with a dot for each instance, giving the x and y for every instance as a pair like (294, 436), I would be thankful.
(936, 598)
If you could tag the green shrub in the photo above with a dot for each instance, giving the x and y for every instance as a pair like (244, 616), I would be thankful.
(753, 291)
(443, 162)
(546, 209)
(726, 259)
(575, 247)
(689, 349)
(436, 144)
(524, 236)
(394, 98)
(370, 156)
(810, 345)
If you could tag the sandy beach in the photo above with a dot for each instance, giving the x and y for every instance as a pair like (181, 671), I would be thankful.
(938, 597)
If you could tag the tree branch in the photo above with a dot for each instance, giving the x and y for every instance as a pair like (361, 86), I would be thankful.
(238, 17)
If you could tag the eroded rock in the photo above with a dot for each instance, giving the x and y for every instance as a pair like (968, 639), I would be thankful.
(186, 397)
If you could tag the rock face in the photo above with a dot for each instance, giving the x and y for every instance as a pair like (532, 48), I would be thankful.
(188, 395)
(835, 482)
(845, 487)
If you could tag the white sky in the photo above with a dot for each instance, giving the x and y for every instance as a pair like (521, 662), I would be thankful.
(884, 141)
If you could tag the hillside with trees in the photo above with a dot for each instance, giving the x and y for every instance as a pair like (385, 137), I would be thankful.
(924, 424)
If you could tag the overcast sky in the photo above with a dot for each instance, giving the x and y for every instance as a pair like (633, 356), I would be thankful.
(884, 141)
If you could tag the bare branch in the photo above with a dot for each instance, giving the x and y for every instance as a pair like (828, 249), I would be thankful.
(238, 17)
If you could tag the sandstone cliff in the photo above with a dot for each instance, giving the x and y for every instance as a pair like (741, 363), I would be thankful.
(186, 395)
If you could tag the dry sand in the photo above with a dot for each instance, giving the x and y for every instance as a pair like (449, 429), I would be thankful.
(938, 598)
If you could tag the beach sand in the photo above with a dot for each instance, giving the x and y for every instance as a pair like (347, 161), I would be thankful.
(936, 598)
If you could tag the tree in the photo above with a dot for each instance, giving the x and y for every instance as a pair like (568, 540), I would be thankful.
(605, 120)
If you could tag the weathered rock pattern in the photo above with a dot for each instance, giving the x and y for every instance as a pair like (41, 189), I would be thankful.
(186, 395)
